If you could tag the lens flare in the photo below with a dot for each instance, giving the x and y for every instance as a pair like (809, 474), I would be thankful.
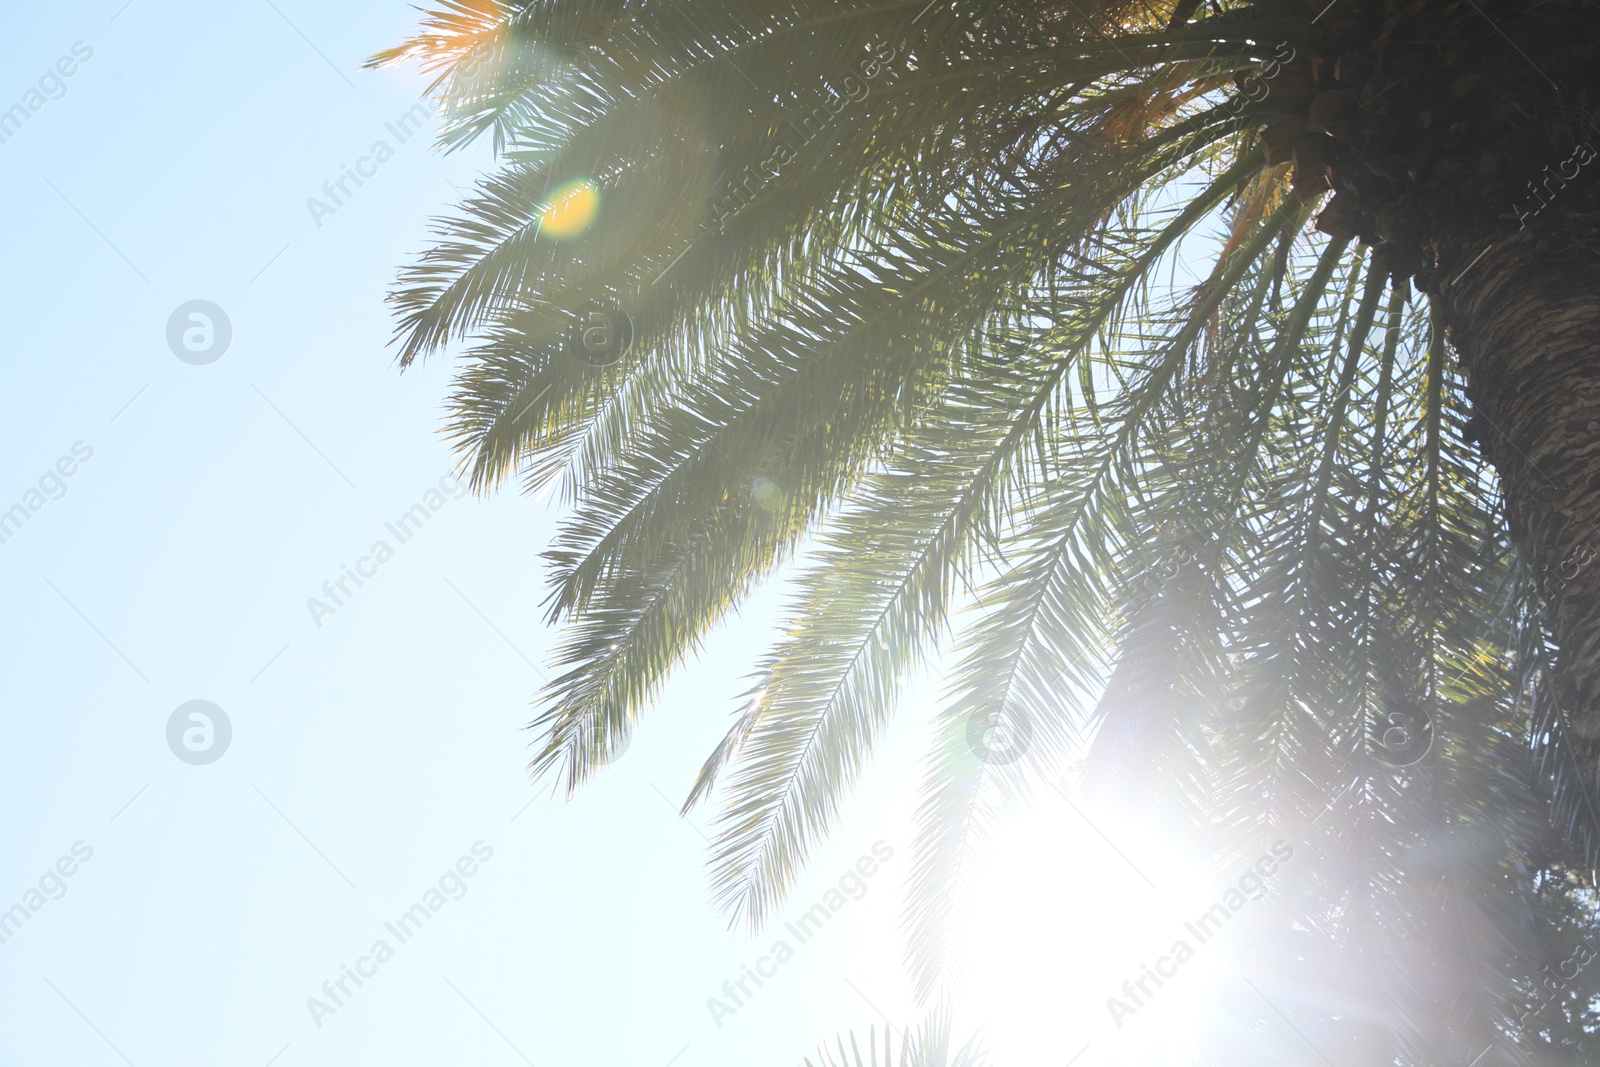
(570, 210)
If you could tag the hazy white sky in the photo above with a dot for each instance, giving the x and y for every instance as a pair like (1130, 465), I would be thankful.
(376, 758)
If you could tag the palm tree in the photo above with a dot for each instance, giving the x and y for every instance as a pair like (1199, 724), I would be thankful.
(1213, 386)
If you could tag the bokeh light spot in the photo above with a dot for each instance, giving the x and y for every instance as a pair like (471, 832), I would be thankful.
(570, 210)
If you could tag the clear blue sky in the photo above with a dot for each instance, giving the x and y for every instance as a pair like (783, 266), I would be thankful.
(369, 754)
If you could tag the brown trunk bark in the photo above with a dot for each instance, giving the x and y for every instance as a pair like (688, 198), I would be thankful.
(1526, 321)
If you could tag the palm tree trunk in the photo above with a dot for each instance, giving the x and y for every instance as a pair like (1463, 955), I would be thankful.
(1526, 320)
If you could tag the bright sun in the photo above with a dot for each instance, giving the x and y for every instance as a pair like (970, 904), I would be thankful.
(1075, 906)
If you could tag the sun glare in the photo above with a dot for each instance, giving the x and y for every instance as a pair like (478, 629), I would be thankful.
(1080, 939)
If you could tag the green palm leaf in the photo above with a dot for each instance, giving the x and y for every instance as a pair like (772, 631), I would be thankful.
(1013, 321)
